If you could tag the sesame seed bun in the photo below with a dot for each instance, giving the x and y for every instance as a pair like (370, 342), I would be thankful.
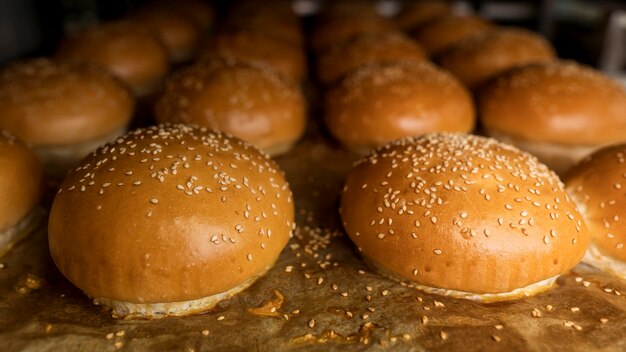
(284, 27)
(126, 48)
(345, 57)
(479, 58)
(258, 47)
(379, 103)
(168, 220)
(20, 189)
(249, 101)
(444, 32)
(568, 110)
(200, 12)
(336, 30)
(420, 13)
(57, 106)
(597, 184)
(463, 214)
(179, 34)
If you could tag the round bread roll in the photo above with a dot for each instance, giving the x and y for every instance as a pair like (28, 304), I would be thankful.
(443, 33)
(364, 49)
(336, 30)
(274, 20)
(249, 101)
(20, 189)
(255, 46)
(476, 60)
(463, 216)
(379, 103)
(417, 14)
(200, 12)
(169, 220)
(126, 48)
(64, 110)
(179, 34)
(595, 184)
(344, 9)
(271, 26)
(559, 111)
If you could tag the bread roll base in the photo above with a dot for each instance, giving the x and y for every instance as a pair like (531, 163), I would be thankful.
(57, 159)
(132, 310)
(558, 157)
(527, 291)
(595, 257)
(11, 236)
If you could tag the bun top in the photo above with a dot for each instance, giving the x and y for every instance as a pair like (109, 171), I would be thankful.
(250, 45)
(20, 180)
(462, 212)
(52, 103)
(169, 213)
(444, 32)
(479, 58)
(379, 103)
(178, 33)
(126, 48)
(559, 102)
(417, 14)
(250, 101)
(597, 185)
(343, 58)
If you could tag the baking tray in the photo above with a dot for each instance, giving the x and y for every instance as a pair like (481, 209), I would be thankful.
(320, 296)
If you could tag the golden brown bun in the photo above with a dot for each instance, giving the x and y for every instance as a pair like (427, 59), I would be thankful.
(557, 156)
(598, 185)
(559, 102)
(20, 181)
(179, 34)
(249, 45)
(462, 212)
(126, 48)
(336, 30)
(48, 103)
(284, 25)
(477, 59)
(169, 213)
(443, 33)
(249, 101)
(379, 103)
(418, 14)
(342, 58)
(200, 12)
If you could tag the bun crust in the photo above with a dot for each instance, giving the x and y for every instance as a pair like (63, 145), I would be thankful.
(20, 180)
(169, 213)
(249, 101)
(127, 49)
(558, 102)
(366, 49)
(47, 103)
(462, 212)
(478, 59)
(379, 103)
(598, 185)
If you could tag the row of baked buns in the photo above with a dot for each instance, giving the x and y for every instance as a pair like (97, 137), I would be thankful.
(171, 219)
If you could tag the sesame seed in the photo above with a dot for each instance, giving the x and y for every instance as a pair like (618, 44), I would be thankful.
(154, 201)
